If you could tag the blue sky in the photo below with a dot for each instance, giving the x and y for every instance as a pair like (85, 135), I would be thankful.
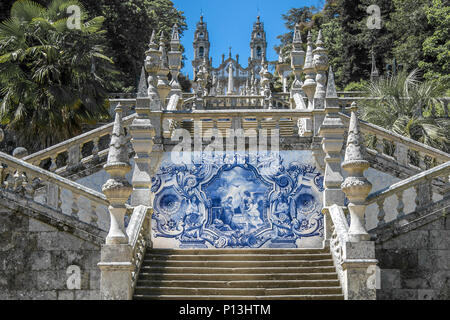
(230, 23)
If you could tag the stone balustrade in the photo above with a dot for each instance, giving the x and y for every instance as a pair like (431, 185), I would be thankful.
(403, 150)
(138, 232)
(246, 119)
(423, 183)
(354, 261)
(21, 177)
(81, 149)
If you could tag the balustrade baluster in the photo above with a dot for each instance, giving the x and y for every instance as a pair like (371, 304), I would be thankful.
(379, 145)
(93, 216)
(95, 149)
(400, 205)
(381, 213)
(75, 207)
(53, 165)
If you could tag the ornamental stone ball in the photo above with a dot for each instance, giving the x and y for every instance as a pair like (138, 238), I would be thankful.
(20, 152)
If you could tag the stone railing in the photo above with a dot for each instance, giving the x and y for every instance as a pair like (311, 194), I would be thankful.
(338, 237)
(234, 102)
(24, 178)
(402, 150)
(423, 183)
(138, 232)
(81, 149)
(354, 261)
(284, 120)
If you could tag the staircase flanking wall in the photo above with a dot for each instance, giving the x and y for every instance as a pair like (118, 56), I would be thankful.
(38, 260)
(414, 255)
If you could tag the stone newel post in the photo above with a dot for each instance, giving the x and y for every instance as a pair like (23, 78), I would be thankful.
(321, 66)
(356, 186)
(297, 61)
(163, 81)
(115, 264)
(360, 272)
(175, 56)
(309, 86)
(117, 189)
(332, 132)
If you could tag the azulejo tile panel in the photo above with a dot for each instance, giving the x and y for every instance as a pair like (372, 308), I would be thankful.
(237, 201)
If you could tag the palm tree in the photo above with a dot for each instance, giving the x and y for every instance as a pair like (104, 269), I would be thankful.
(407, 106)
(51, 75)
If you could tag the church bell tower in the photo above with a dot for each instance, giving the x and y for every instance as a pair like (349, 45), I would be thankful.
(258, 43)
(201, 45)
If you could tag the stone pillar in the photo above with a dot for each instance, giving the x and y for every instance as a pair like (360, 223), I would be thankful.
(361, 276)
(152, 65)
(320, 61)
(332, 132)
(163, 82)
(115, 264)
(143, 132)
(309, 86)
(356, 186)
(230, 90)
(175, 62)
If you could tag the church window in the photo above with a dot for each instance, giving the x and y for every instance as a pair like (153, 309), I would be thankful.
(201, 52)
(259, 52)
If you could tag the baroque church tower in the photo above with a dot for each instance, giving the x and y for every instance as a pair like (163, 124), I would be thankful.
(201, 45)
(258, 43)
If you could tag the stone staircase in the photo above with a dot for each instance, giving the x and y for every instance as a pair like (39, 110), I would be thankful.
(247, 274)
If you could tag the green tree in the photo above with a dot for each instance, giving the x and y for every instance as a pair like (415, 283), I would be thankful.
(50, 74)
(129, 25)
(404, 106)
(436, 47)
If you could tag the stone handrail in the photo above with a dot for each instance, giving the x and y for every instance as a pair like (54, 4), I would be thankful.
(138, 232)
(423, 188)
(339, 231)
(402, 145)
(236, 113)
(233, 101)
(74, 147)
(22, 177)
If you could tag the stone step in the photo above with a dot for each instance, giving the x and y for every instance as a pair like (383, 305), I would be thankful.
(238, 257)
(225, 297)
(238, 284)
(239, 264)
(236, 291)
(221, 252)
(237, 277)
(216, 270)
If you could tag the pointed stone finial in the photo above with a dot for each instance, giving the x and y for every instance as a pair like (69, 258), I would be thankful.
(117, 189)
(152, 44)
(331, 92)
(297, 35)
(309, 85)
(319, 41)
(118, 153)
(175, 34)
(142, 88)
(356, 186)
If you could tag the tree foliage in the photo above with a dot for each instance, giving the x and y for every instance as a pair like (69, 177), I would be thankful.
(129, 25)
(51, 76)
(405, 106)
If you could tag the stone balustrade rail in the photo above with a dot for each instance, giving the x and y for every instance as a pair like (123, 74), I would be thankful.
(422, 184)
(21, 177)
(138, 232)
(402, 148)
(80, 149)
